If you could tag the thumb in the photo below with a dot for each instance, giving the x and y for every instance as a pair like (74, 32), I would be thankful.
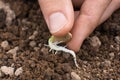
(59, 15)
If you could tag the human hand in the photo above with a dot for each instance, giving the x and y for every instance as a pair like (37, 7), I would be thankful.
(61, 18)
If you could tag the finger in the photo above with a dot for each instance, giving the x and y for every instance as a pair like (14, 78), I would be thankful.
(76, 14)
(90, 14)
(59, 15)
(113, 6)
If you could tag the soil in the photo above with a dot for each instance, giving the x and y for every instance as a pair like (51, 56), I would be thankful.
(96, 63)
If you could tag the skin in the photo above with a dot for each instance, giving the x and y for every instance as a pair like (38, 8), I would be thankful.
(81, 23)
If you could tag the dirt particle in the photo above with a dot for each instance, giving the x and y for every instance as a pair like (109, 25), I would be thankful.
(118, 53)
(107, 63)
(10, 15)
(32, 37)
(32, 43)
(7, 70)
(18, 71)
(14, 50)
(32, 65)
(117, 39)
(35, 33)
(40, 45)
(117, 47)
(105, 71)
(95, 42)
(75, 76)
(5, 45)
(112, 55)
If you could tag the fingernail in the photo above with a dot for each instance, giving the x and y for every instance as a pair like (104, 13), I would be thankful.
(56, 22)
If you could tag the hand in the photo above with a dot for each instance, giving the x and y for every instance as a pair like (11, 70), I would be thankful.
(61, 18)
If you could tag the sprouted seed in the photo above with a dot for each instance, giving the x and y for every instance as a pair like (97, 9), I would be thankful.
(54, 46)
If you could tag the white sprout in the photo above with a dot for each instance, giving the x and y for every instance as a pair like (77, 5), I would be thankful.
(54, 46)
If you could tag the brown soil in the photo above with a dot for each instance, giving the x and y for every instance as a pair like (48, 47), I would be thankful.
(38, 63)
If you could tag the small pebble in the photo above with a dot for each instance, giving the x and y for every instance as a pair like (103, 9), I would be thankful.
(7, 70)
(98, 63)
(14, 50)
(5, 44)
(24, 28)
(118, 53)
(10, 15)
(18, 71)
(32, 37)
(85, 62)
(87, 75)
(95, 42)
(111, 46)
(32, 43)
(75, 76)
(112, 55)
(105, 71)
(107, 63)
(40, 45)
(117, 39)
(118, 47)
(111, 70)
(35, 33)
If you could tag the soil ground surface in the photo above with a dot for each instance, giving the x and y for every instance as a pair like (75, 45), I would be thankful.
(98, 58)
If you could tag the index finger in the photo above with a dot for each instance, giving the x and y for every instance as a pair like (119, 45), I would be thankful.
(90, 14)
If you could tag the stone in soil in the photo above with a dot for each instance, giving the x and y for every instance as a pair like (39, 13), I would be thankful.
(7, 70)
(18, 71)
(95, 42)
(107, 63)
(112, 55)
(117, 39)
(32, 37)
(5, 44)
(32, 43)
(14, 50)
(75, 76)
(10, 15)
